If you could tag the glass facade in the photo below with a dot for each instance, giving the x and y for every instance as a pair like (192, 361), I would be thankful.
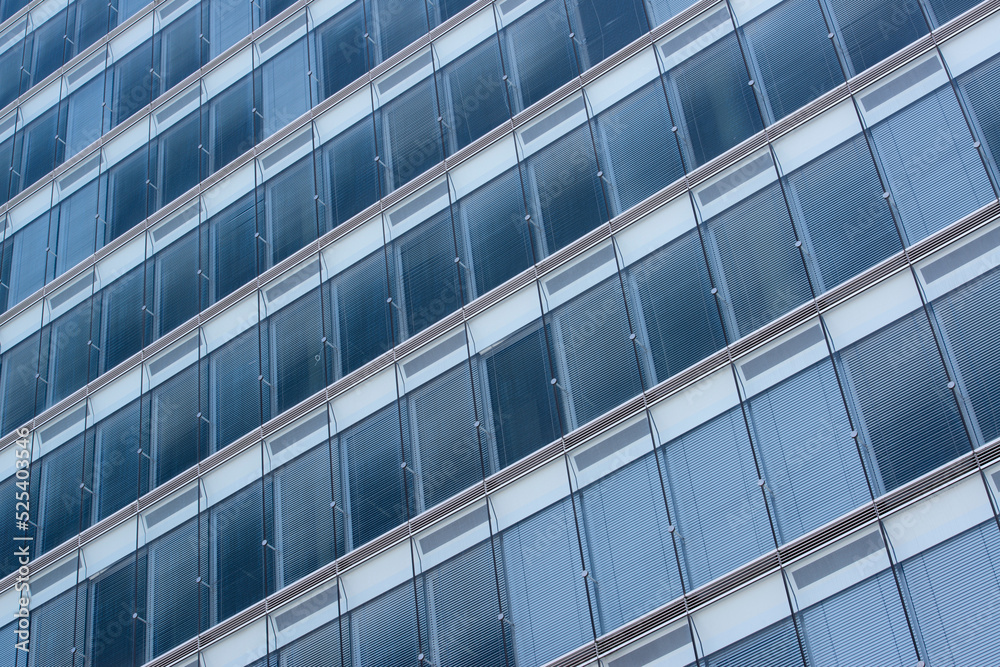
(469, 332)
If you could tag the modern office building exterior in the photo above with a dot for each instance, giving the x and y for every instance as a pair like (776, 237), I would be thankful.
(458, 333)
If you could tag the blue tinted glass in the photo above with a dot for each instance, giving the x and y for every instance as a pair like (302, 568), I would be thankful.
(180, 49)
(373, 453)
(548, 604)
(126, 326)
(566, 189)
(461, 595)
(84, 116)
(475, 95)
(235, 389)
(838, 208)
(72, 362)
(775, 646)
(792, 71)
(670, 298)
(296, 333)
(538, 53)
(116, 595)
(426, 258)
(628, 547)
(179, 158)
(176, 427)
(351, 177)
(872, 30)
(340, 44)
(64, 507)
(284, 85)
(409, 137)
(121, 475)
(640, 155)
(177, 284)
(291, 211)
(361, 316)
(810, 463)
(714, 106)
(524, 410)
(228, 127)
(758, 261)
(494, 241)
(946, 584)
(973, 337)
(901, 391)
(443, 436)
(232, 235)
(237, 534)
(939, 179)
(714, 498)
(596, 361)
(981, 88)
(603, 27)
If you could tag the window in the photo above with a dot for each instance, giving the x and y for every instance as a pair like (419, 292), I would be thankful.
(340, 43)
(297, 349)
(524, 412)
(372, 457)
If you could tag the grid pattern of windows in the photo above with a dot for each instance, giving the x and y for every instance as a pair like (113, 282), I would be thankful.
(367, 270)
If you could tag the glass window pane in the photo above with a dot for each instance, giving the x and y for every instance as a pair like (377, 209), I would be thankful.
(524, 410)
(340, 43)
(373, 456)
(939, 179)
(714, 498)
(173, 589)
(670, 295)
(566, 189)
(495, 233)
(426, 265)
(291, 211)
(759, 271)
(475, 95)
(838, 208)
(361, 317)
(232, 237)
(175, 424)
(908, 412)
(603, 27)
(795, 71)
(872, 30)
(126, 326)
(548, 605)
(65, 508)
(120, 479)
(810, 463)
(296, 333)
(307, 532)
(539, 54)
(714, 106)
(628, 548)
(595, 359)
(409, 136)
(640, 154)
(235, 390)
(462, 603)
(837, 630)
(350, 174)
(385, 629)
(237, 534)
(285, 87)
(953, 588)
(445, 446)
(967, 316)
